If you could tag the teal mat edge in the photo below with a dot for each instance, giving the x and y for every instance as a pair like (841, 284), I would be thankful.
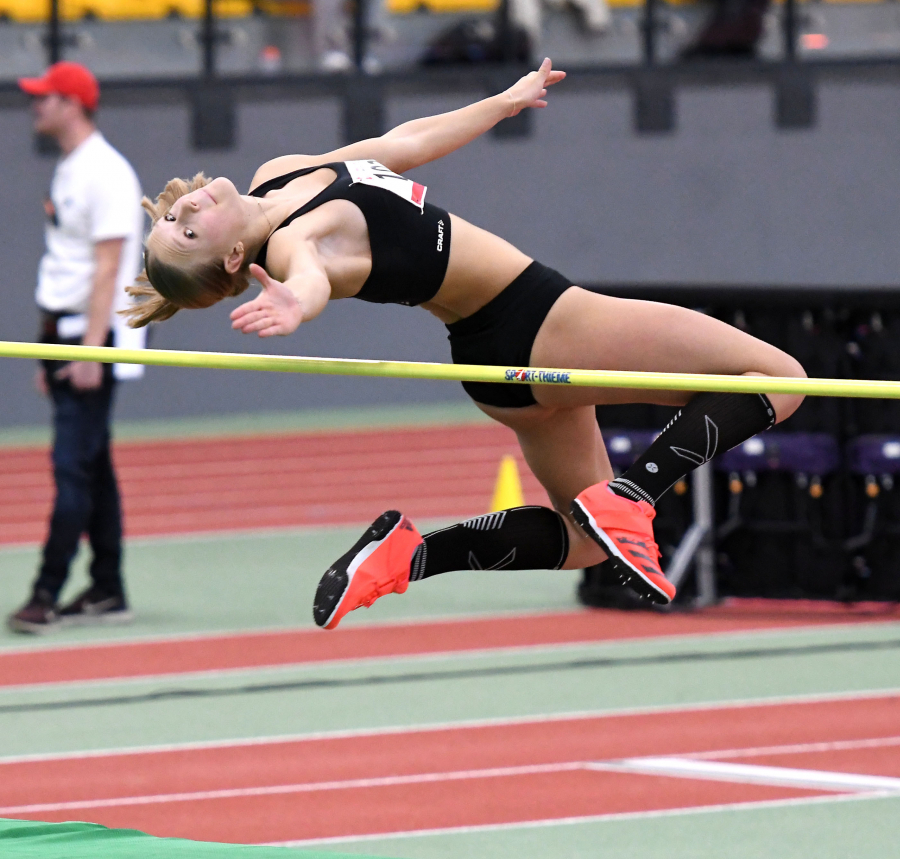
(35, 840)
(264, 423)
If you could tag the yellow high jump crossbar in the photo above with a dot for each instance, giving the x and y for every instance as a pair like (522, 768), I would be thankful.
(456, 372)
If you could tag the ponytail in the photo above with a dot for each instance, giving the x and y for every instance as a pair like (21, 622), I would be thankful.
(149, 305)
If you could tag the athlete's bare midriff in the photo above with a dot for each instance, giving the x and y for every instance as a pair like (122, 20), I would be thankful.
(481, 264)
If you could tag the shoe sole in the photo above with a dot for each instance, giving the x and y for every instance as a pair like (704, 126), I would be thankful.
(628, 574)
(336, 582)
(33, 628)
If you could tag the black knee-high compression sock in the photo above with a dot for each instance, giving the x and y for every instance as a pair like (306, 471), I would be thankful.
(521, 538)
(709, 424)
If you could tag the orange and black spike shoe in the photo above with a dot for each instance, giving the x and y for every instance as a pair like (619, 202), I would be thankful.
(378, 564)
(624, 530)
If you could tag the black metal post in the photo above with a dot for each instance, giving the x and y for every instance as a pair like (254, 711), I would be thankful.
(649, 32)
(53, 40)
(790, 30)
(54, 35)
(507, 50)
(213, 115)
(360, 34)
(795, 90)
(654, 99)
(208, 40)
(505, 36)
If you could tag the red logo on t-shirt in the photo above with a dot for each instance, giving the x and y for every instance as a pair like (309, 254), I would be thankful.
(50, 212)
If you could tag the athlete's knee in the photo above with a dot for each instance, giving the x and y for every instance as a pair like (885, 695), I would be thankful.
(791, 367)
(786, 404)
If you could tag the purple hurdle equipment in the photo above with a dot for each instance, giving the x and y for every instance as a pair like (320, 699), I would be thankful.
(810, 453)
(874, 455)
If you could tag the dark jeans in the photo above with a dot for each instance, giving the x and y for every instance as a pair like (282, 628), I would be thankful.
(87, 497)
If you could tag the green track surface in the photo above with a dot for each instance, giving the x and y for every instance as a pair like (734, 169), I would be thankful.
(24, 839)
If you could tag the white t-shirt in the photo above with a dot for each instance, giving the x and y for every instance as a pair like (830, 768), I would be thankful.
(95, 195)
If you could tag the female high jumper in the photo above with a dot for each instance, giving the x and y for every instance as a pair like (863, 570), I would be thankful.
(347, 224)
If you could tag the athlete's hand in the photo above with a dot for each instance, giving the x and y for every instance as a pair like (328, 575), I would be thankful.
(531, 90)
(274, 311)
(82, 375)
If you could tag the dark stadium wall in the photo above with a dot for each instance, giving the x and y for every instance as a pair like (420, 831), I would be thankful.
(728, 198)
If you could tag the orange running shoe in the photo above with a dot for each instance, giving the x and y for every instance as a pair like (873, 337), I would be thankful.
(377, 565)
(624, 530)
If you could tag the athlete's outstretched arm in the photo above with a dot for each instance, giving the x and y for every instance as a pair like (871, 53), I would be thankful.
(281, 306)
(422, 140)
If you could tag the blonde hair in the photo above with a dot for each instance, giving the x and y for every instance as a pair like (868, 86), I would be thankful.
(163, 289)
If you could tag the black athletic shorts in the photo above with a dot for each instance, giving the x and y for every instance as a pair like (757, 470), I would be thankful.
(503, 332)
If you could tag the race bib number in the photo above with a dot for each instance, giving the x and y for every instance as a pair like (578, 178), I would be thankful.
(378, 176)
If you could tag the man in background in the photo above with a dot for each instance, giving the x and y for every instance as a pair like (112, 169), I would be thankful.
(93, 238)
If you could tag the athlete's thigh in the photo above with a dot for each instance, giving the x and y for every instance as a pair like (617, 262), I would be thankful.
(585, 330)
(563, 448)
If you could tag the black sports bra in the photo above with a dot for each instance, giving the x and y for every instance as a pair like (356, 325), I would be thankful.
(409, 238)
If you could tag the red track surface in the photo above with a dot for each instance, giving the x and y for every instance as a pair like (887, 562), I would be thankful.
(301, 813)
(225, 484)
(259, 649)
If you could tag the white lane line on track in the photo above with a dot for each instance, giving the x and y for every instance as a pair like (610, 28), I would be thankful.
(424, 620)
(308, 787)
(597, 818)
(678, 767)
(799, 748)
(794, 629)
(355, 733)
(419, 620)
(214, 674)
(751, 774)
(252, 533)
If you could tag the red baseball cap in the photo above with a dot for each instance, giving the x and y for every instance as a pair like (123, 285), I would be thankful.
(69, 79)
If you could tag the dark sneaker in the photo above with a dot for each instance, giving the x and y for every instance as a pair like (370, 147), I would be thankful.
(96, 607)
(37, 616)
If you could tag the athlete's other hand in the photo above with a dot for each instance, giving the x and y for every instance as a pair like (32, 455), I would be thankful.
(82, 375)
(274, 311)
(531, 90)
